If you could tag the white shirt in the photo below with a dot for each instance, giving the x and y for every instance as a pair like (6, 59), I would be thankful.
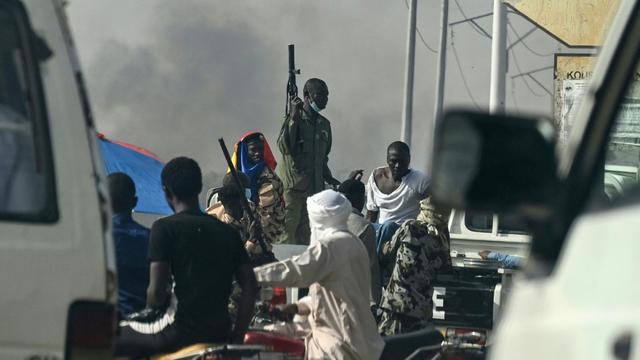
(403, 203)
(336, 270)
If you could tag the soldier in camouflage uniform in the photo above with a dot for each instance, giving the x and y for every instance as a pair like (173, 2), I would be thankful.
(305, 143)
(270, 207)
(253, 157)
(422, 251)
(228, 209)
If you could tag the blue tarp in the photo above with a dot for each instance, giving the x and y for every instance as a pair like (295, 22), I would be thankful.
(143, 167)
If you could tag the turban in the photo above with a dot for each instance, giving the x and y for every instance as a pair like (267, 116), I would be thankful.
(328, 212)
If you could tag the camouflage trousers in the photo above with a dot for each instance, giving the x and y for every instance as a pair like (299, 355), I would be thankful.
(395, 323)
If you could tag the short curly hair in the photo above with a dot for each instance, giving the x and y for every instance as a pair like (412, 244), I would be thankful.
(182, 177)
(122, 190)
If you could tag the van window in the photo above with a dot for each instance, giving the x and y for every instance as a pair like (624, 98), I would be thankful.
(480, 222)
(622, 160)
(26, 179)
(483, 222)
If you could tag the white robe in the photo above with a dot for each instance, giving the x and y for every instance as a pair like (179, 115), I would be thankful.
(335, 267)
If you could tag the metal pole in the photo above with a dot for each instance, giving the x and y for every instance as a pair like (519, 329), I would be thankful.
(442, 63)
(407, 110)
(498, 58)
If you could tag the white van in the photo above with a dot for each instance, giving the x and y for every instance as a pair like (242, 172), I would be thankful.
(57, 268)
(579, 295)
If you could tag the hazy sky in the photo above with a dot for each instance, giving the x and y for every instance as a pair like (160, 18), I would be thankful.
(174, 76)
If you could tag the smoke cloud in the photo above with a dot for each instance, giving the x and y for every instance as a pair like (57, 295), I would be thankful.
(175, 76)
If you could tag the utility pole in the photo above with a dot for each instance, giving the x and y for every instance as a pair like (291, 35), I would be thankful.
(442, 63)
(407, 111)
(498, 58)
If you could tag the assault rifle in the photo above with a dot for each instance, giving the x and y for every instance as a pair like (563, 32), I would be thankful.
(267, 255)
(292, 88)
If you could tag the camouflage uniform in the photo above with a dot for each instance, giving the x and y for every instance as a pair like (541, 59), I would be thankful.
(271, 205)
(244, 227)
(422, 251)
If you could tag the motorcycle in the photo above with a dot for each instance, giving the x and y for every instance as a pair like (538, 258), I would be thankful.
(274, 336)
(281, 333)
(271, 329)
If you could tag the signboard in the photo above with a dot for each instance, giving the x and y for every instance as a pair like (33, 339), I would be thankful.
(571, 79)
(575, 23)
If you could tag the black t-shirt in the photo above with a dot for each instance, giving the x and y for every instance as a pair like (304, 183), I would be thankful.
(204, 254)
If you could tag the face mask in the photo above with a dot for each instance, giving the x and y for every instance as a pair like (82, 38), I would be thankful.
(247, 193)
(315, 107)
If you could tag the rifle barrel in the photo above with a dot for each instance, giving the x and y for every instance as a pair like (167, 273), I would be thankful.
(245, 202)
(292, 57)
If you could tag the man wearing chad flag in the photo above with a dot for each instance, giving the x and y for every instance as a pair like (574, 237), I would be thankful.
(252, 156)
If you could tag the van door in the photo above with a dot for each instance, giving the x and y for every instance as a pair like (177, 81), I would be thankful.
(54, 250)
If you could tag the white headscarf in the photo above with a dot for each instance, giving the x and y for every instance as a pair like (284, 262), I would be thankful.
(328, 212)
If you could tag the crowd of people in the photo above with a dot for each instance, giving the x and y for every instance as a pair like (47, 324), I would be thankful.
(194, 276)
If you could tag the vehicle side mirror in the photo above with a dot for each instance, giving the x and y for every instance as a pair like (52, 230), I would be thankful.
(495, 163)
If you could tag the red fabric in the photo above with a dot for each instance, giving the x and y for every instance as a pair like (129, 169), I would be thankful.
(269, 159)
(279, 343)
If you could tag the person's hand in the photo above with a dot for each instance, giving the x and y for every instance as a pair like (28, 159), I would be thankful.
(286, 312)
(484, 254)
(356, 175)
(295, 104)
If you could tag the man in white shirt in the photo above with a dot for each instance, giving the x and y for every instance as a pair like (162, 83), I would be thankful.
(394, 193)
(335, 267)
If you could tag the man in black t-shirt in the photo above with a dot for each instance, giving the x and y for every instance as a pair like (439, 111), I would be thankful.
(202, 255)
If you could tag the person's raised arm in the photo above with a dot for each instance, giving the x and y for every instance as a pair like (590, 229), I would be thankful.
(159, 283)
(249, 286)
(289, 133)
(313, 265)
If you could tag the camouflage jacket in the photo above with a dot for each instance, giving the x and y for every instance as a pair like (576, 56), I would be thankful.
(243, 226)
(422, 252)
(270, 207)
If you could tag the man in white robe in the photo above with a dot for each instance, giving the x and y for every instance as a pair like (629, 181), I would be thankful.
(335, 267)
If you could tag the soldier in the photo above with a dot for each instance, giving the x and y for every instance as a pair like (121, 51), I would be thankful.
(229, 210)
(422, 248)
(253, 157)
(305, 143)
